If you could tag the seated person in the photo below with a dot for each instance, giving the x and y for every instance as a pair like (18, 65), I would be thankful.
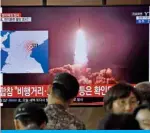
(30, 116)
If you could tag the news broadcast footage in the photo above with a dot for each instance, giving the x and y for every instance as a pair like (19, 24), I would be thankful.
(100, 46)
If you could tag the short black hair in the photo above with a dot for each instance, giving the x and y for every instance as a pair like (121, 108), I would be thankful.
(120, 90)
(141, 107)
(143, 88)
(29, 113)
(65, 86)
(119, 122)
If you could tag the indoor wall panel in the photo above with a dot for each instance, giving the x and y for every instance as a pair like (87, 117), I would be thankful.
(21, 2)
(74, 2)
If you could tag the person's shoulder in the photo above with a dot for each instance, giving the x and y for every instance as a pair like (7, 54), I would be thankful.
(65, 119)
(78, 124)
(50, 110)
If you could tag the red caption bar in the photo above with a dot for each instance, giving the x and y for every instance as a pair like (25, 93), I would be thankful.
(5, 15)
(24, 91)
(41, 91)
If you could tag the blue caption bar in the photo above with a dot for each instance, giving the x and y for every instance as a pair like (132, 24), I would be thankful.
(141, 21)
(73, 131)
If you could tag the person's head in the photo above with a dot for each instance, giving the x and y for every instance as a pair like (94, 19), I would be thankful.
(121, 98)
(143, 89)
(64, 89)
(28, 114)
(142, 115)
(119, 122)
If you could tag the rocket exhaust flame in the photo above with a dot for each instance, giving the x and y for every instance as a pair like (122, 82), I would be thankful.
(81, 49)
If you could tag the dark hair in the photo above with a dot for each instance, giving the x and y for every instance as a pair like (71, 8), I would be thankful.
(119, 122)
(61, 92)
(65, 86)
(141, 107)
(32, 126)
(143, 89)
(30, 113)
(120, 90)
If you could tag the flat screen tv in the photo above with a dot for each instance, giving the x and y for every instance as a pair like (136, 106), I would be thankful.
(99, 45)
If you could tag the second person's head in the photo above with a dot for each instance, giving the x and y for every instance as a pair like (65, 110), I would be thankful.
(121, 98)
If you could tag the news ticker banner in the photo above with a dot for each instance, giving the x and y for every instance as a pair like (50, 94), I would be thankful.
(38, 91)
(14, 17)
(88, 94)
(74, 131)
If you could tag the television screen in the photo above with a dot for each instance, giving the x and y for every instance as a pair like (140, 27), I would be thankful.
(100, 46)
